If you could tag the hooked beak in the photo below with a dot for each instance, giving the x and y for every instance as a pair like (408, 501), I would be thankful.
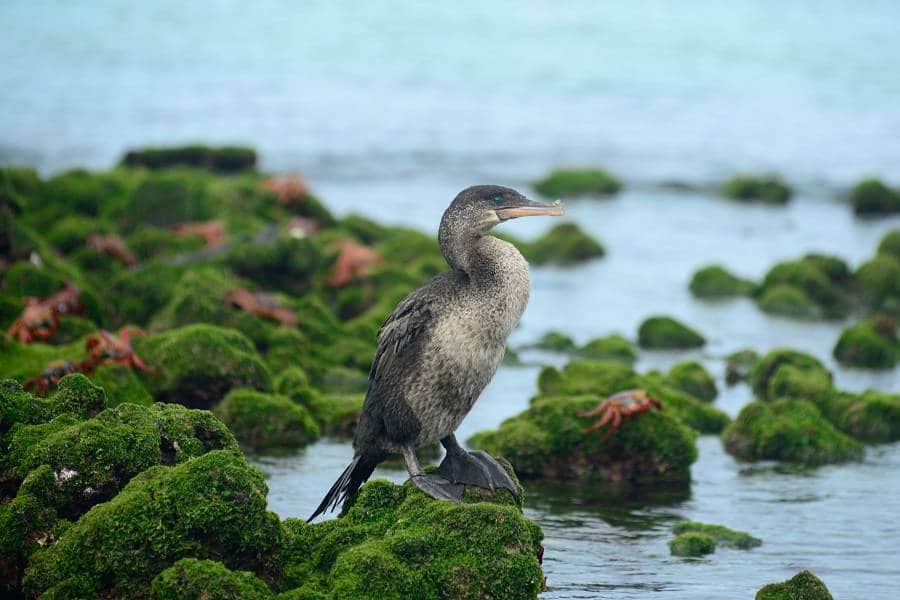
(531, 208)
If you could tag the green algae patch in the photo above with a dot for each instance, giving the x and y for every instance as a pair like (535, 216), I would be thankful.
(554, 341)
(788, 301)
(871, 344)
(26, 279)
(121, 385)
(392, 541)
(715, 282)
(665, 333)
(890, 244)
(720, 534)
(879, 284)
(565, 244)
(192, 579)
(815, 286)
(739, 364)
(611, 347)
(802, 586)
(757, 188)
(872, 198)
(692, 544)
(197, 365)
(788, 430)
(872, 416)
(140, 293)
(765, 369)
(266, 422)
(336, 415)
(692, 378)
(212, 507)
(76, 396)
(224, 159)
(577, 182)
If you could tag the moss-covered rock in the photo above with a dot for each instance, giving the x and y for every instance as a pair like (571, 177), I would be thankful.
(192, 579)
(266, 422)
(692, 378)
(24, 278)
(554, 341)
(394, 542)
(610, 347)
(577, 182)
(287, 263)
(872, 416)
(871, 197)
(336, 415)
(139, 293)
(121, 385)
(765, 369)
(754, 188)
(879, 284)
(198, 364)
(225, 159)
(871, 344)
(788, 430)
(890, 244)
(802, 586)
(813, 287)
(661, 333)
(738, 365)
(789, 381)
(720, 534)
(692, 544)
(788, 301)
(714, 281)
(565, 244)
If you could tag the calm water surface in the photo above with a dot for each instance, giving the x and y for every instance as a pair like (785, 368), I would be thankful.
(391, 109)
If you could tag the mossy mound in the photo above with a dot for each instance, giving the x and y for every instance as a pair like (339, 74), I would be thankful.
(197, 365)
(738, 365)
(871, 197)
(226, 159)
(286, 264)
(335, 415)
(871, 344)
(890, 244)
(554, 341)
(665, 333)
(788, 430)
(577, 182)
(565, 244)
(802, 586)
(192, 579)
(765, 369)
(692, 544)
(879, 284)
(753, 188)
(692, 378)
(611, 347)
(812, 287)
(714, 282)
(722, 535)
(788, 301)
(26, 279)
(266, 422)
(872, 416)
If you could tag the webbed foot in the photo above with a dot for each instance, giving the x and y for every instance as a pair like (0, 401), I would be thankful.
(476, 468)
(439, 488)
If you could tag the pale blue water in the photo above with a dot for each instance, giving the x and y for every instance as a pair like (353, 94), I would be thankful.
(391, 109)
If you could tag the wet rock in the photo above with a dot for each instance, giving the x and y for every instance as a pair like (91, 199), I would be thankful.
(661, 333)
(565, 244)
(611, 347)
(871, 197)
(802, 586)
(224, 159)
(879, 284)
(813, 287)
(753, 188)
(692, 378)
(266, 422)
(714, 281)
(192, 579)
(871, 344)
(721, 535)
(577, 182)
(692, 544)
(872, 416)
(765, 369)
(738, 365)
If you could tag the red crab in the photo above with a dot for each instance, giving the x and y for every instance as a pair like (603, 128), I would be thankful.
(51, 375)
(107, 348)
(112, 245)
(619, 406)
(40, 318)
(263, 305)
(291, 189)
(354, 262)
(212, 232)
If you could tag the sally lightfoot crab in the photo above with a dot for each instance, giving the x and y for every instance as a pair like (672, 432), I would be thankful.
(619, 406)
(262, 305)
(40, 318)
(108, 348)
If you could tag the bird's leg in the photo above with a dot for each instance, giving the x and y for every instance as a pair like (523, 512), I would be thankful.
(473, 468)
(433, 485)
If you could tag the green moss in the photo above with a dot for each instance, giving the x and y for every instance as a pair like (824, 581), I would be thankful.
(224, 159)
(765, 368)
(753, 188)
(693, 543)
(72, 328)
(565, 244)
(577, 182)
(167, 198)
(335, 415)
(714, 281)
(871, 197)
(149, 242)
(611, 347)
(872, 416)
(81, 192)
(890, 244)
(27, 279)
(812, 287)
(719, 533)
(121, 385)
(661, 332)
(287, 264)
(554, 341)
(789, 381)
(72, 231)
(788, 301)
(879, 284)
(192, 579)
(739, 364)
(213, 506)
(198, 364)
(802, 586)
(692, 378)
(138, 294)
(868, 344)
(685, 407)
(788, 430)
(266, 422)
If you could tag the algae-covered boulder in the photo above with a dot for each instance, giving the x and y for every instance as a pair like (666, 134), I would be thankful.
(871, 344)
(879, 284)
(871, 197)
(192, 579)
(198, 364)
(802, 586)
(549, 440)
(394, 542)
(335, 415)
(266, 422)
(168, 198)
(788, 430)
(692, 544)
(720, 534)
(554, 341)
(121, 385)
(788, 301)
(890, 244)
(75, 396)
(714, 281)
(765, 369)
(577, 182)
(611, 347)
(872, 416)
(139, 293)
(26, 279)
(565, 244)
(812, 287)
(739, 364)
(662, 333)
(225, 159)
(753, 188)
(692, 378)
(210, 507)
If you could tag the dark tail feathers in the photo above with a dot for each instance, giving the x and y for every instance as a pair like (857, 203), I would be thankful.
(353, 476)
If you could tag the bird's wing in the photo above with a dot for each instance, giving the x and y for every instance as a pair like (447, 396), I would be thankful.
(404, 328)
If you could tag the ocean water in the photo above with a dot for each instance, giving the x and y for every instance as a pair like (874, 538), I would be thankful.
(390, 109)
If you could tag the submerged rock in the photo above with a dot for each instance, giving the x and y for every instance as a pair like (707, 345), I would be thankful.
(692, 544)
(577, 182)
(871, 344)
(266, 422)
(753, 188)
(714, 281)
(871, 197)
(662, 333)
(224, 159)
(802, 586)
(720, 534)
(692, 378)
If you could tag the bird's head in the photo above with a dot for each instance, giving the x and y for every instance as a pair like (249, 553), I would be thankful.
(477, 209)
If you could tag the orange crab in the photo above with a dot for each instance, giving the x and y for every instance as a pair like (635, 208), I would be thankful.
(112, 245)
(107, 348)
(40, 318)
(51, 375)
(354, 262)
(212, 232)
(291, 189)
(263, 305)
(620, 406)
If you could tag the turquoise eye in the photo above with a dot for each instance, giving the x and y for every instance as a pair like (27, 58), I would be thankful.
(497, 200)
